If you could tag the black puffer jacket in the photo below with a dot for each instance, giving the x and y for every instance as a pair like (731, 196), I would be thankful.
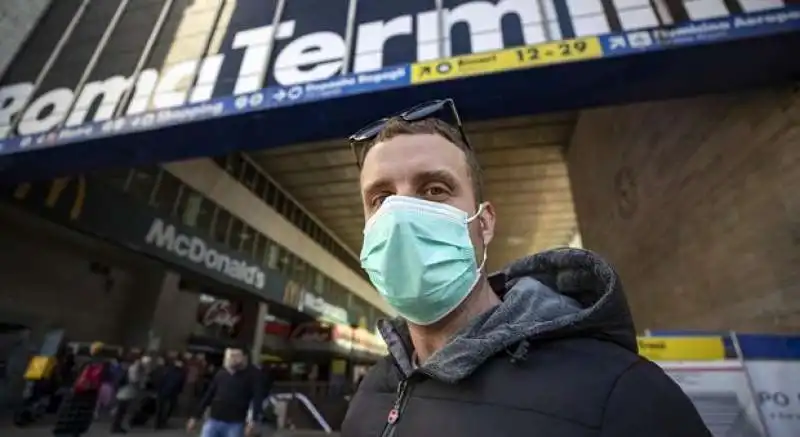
(556, 359)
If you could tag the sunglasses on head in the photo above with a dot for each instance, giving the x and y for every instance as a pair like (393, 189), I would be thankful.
(364, 136)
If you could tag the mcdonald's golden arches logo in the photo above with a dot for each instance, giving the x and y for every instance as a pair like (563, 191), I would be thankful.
(56, 191)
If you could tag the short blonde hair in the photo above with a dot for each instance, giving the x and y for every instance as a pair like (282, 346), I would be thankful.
(96, 347)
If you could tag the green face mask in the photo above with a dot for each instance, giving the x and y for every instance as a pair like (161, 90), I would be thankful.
(419, 256)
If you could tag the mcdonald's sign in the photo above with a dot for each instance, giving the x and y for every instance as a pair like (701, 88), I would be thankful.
(55, 192)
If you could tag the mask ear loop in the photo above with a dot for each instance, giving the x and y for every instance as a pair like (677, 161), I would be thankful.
(485, 256)
(477, 214)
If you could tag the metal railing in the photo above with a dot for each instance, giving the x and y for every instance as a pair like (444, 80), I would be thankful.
(309, 406)
(321, 405)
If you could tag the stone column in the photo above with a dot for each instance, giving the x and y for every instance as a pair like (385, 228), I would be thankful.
(175, 315)
(140, 306)
(159, 315)
(258, 333)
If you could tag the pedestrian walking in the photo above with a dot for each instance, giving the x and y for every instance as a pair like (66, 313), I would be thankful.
(234, 399)
(77, 410)
(131, 391)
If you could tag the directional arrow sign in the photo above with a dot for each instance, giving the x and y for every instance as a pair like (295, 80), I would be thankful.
(295, 92)
(279, 95)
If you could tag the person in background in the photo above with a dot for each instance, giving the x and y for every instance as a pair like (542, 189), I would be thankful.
(117, 369)
(132, 388)
(66, 369)
(188, 397)
(156, 373)
(168, 389)
(77, 411)
(235, 390)
(108, 393)
(64, 377)
(198, 375)
(209, 371)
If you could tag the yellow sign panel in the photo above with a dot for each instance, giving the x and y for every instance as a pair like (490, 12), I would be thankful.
(682, 348)
(512, 59)
(40, 367)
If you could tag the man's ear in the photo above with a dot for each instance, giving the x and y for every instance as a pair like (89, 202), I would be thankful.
(487, 220)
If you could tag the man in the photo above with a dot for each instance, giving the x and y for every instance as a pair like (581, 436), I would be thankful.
(544, 348)
(131, 389)
(235, 390)
(107, 395)
(170, 386)
(77, 410)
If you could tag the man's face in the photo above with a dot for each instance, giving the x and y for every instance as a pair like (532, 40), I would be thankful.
(234, 358)
(429, 167)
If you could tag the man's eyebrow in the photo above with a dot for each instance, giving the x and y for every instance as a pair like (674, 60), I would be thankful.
(435, 175)
(377, 185)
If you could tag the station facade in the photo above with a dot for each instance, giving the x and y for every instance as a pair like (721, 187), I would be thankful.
(169, 154)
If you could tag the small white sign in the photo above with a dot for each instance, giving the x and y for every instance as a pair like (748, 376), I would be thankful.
(721, 394)
(777, 390)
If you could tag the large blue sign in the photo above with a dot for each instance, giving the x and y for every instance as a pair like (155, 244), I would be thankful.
(631, 43)
(268, 98)
(702, 32)
(700, 56)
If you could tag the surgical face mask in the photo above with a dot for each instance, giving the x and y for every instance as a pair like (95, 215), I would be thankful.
(419, 257)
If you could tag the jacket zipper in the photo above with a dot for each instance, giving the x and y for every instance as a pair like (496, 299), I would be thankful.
(397, 410)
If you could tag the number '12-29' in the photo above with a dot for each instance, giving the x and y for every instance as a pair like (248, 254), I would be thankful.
(565, 49)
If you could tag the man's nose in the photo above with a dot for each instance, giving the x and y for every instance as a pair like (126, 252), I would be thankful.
(407, 190)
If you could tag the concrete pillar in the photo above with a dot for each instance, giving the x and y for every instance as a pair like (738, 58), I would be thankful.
(695, 202)
(158, 315)
(175, 315)
(142, 300)
(258, 333)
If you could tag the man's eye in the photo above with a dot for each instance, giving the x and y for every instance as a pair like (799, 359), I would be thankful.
(377, 201)
(435, 191)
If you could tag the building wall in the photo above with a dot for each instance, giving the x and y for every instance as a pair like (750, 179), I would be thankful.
(47, 282)
(696, 203)
(17, 20)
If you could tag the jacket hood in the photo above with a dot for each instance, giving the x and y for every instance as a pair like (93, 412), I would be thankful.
(558, 293)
